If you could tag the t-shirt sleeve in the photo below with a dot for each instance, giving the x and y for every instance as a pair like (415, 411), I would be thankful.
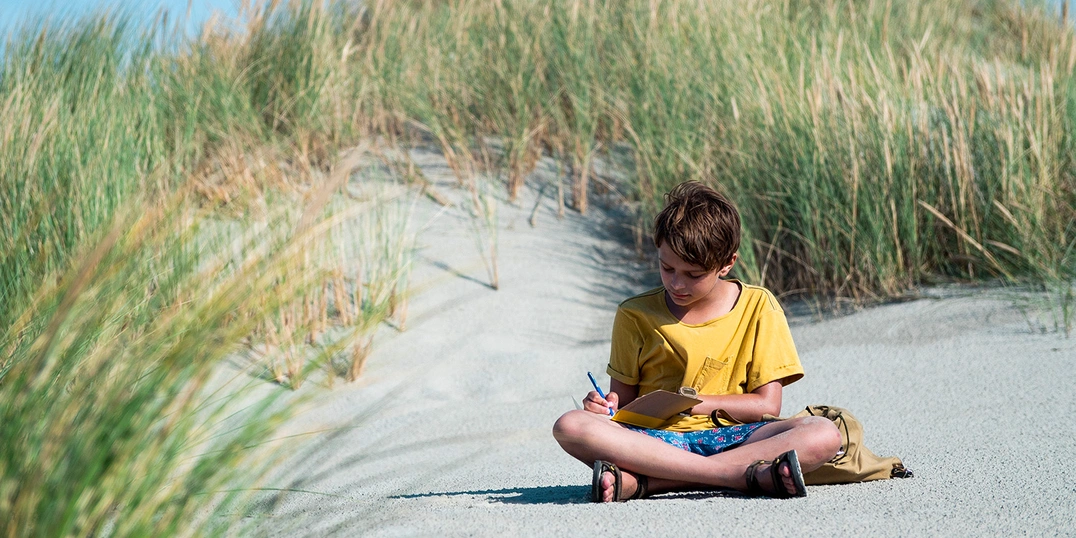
(775, 356)
(625, 349)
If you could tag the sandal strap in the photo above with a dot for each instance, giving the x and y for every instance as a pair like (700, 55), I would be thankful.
(601, 467)
(778, 482)
(642, 483)
(616, 481)
(753, 486)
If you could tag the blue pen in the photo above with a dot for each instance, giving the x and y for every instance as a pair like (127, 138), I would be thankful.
(599, 389)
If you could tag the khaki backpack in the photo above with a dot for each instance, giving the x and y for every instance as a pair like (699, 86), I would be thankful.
(854, 462)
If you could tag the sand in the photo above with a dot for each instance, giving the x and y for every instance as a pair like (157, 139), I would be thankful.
(448, 431)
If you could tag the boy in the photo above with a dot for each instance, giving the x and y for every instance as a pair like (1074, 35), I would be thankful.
(728, 341)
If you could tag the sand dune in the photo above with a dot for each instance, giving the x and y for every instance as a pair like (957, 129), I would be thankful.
(448, 432)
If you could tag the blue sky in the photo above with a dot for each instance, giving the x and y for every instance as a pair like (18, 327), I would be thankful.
(14, 11)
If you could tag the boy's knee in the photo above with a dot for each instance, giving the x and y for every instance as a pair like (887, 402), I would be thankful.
(570, 425)
(825, 436)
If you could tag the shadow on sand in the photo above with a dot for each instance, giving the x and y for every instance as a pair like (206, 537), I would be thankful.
(561, 495)
(533, 495)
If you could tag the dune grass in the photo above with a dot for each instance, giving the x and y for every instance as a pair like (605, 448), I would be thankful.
(115, 418)
(162, 199)
(871, 146)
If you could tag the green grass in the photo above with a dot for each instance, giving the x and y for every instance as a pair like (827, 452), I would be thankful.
(871, 146)
(161, 201)
(115, 418)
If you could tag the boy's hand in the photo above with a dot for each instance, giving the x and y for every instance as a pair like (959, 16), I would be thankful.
(596, 404)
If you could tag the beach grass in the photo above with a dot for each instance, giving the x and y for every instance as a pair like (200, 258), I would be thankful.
(161, 202)
(117, 419)
(871, 146)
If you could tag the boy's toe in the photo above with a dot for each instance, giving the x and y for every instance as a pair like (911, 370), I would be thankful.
(628, 485)
(787, 482)
(783, 484)
(608, 482)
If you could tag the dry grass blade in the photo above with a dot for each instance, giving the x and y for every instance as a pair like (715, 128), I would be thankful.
(966, 237)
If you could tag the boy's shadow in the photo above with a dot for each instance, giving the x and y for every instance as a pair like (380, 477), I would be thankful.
(560, 495)
(534, 495)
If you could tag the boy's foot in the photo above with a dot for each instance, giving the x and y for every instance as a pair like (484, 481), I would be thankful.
(611, 484)
(783, 476)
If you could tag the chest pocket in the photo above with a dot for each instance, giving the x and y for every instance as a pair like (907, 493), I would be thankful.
(713, 376)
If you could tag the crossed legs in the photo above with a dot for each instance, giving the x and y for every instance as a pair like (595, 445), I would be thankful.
(589, 436)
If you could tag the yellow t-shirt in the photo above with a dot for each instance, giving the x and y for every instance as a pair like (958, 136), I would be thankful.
(732, 354)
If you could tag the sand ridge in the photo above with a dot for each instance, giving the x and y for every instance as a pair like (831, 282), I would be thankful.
(448, 431)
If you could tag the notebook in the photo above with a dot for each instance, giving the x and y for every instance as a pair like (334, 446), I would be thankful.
(655, 409)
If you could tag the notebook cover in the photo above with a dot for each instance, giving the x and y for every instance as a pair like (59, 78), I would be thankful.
(655, 409)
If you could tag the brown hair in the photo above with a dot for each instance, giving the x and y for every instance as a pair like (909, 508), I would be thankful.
(700, 224)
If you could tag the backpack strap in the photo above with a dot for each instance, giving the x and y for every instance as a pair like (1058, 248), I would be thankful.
(722, 418)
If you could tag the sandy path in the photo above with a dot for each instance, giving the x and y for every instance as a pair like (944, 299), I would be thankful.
(448, 432)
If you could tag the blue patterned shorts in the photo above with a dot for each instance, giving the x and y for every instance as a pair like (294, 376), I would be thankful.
(705, 442)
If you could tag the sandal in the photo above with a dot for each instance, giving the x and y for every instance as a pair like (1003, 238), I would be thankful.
(600, 468)
(779, 492)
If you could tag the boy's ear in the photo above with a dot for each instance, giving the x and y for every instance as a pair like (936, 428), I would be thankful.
(725, 270)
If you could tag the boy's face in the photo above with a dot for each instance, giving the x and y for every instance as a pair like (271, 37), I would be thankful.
(688, 284)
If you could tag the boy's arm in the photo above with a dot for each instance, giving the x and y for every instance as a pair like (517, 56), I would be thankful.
(624, 392)
(765, 400)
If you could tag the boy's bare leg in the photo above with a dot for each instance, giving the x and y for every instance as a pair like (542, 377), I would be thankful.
(589, 437)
